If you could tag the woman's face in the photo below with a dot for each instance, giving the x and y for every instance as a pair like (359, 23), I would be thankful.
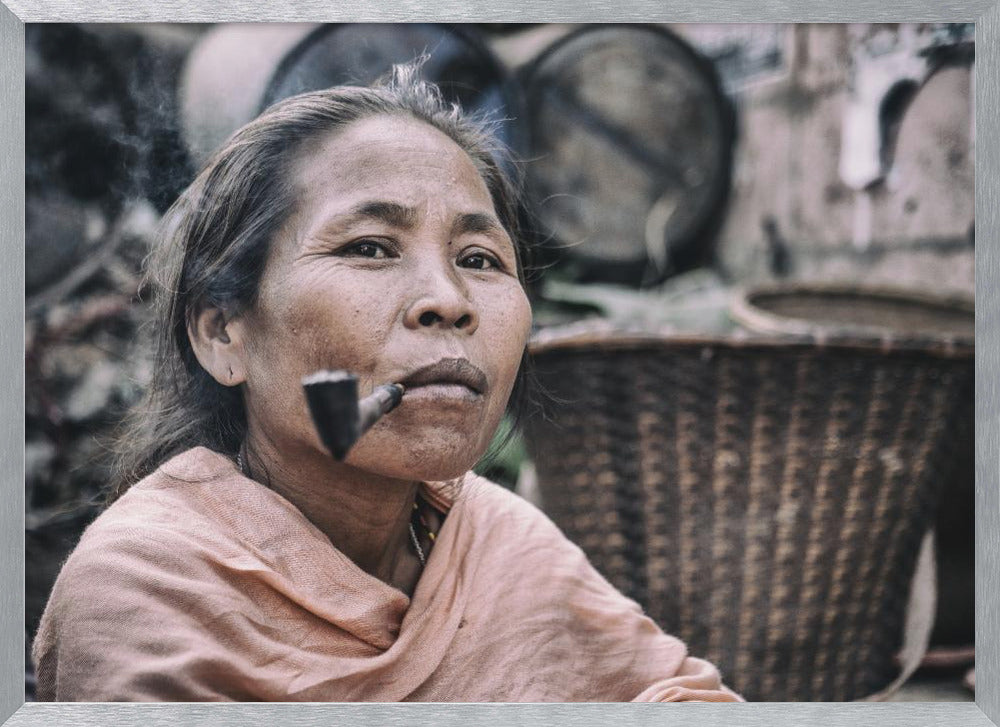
(394, 261)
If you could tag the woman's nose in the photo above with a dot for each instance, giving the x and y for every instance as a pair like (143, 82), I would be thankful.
(444, 304)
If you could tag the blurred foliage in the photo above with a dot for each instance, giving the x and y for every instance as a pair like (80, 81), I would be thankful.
(504, 457)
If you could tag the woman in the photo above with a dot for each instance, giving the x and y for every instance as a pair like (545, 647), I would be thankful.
(369, 230)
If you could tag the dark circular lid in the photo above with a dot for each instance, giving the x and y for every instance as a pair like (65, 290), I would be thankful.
(630, 149)
(359, 53)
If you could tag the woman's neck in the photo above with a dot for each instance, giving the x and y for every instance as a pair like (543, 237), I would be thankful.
(366, 517)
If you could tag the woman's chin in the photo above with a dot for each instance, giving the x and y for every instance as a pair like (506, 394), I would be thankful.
(428, 471)
(433, 460)
(440, 473)
(412, 448)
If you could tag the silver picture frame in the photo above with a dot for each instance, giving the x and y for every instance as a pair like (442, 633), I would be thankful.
(986, 708)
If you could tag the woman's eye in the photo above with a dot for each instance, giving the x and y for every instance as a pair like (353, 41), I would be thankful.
(366, 248)
(479, 261)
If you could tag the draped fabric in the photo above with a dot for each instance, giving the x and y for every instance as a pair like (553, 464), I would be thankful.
(201, 584)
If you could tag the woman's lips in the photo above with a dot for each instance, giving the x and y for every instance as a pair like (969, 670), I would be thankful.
(450, 378)
(442, 392)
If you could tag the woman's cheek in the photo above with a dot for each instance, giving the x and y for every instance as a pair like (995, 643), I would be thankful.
(513, 328)
(517, 320)
(317, 328)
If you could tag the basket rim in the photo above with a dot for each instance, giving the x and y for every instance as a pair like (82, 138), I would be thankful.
(745, 312)
(604, 335)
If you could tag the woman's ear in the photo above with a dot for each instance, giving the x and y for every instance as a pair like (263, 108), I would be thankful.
(218, 345)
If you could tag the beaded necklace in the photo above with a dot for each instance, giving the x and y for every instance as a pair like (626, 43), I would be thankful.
(418, 517)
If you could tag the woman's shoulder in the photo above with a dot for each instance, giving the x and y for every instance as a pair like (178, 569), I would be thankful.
(145, 525)
(156, 552)
(156, 525)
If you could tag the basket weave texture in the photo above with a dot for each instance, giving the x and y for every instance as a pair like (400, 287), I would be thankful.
(764, 503)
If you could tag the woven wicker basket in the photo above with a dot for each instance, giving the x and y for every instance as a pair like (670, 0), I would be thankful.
(763, 497)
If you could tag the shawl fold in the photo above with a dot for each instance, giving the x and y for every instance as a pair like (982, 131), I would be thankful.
(201, 584)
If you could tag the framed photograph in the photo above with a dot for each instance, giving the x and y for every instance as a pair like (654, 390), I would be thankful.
(74, 125)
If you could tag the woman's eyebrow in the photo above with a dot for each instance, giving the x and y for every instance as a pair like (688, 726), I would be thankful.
(478, 222)
(389, 213)
(401, 216)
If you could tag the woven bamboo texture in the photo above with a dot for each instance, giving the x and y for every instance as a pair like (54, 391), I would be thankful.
(765, 502)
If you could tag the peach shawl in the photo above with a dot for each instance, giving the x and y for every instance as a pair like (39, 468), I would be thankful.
(200, 584)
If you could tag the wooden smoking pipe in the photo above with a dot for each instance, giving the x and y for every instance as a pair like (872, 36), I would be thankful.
(339, 417)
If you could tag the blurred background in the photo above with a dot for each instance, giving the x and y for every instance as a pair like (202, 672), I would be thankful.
(753, 300)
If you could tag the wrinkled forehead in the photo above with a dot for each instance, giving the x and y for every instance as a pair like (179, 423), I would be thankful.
(376, 151)
(391, 162)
